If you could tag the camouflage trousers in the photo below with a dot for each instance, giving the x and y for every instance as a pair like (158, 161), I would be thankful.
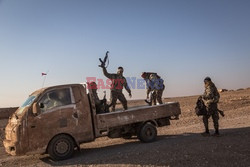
(114, 95)
(156, 95)
(152, 97)
(212, 111)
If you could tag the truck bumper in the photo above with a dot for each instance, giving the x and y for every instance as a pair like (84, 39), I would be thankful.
(10, 147)
(13, 148)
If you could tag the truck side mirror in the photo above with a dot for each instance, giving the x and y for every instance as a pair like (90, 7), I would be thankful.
(35, 108)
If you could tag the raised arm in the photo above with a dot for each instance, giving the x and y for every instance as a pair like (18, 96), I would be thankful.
(108, 75)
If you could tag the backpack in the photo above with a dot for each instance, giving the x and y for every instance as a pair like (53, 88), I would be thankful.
(200, 108)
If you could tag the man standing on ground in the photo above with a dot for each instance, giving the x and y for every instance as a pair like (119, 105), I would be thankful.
(118, 83)
(210, 98)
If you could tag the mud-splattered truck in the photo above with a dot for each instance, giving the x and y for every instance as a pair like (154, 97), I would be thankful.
(58, 127)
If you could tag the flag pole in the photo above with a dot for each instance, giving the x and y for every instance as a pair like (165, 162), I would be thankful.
(45, 76)
(44, 80)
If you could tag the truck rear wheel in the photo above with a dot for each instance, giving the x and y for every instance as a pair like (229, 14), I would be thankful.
(147, 133)
(61, 147)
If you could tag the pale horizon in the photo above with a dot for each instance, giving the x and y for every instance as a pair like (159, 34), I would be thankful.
(183, 41)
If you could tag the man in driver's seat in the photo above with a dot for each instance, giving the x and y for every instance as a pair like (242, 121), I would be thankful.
(54, 100)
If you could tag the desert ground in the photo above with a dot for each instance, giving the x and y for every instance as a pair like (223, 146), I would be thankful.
(179, 144)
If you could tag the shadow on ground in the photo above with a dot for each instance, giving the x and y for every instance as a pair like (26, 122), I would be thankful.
(191, 149)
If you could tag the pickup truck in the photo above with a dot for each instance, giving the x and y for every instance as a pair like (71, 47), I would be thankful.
(56, 120)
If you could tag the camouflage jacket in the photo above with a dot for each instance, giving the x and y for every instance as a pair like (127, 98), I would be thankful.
(211, 94)
(118, 82)
(156, 84)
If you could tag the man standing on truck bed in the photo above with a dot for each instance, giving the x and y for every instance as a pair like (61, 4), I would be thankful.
(118, 83)
(155, 88)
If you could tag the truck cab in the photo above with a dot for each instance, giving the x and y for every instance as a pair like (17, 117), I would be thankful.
(55, 112)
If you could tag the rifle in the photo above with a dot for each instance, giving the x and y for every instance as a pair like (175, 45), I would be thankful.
(103, 62)
(200, 108)
(104, 97)
(106, 106)
(221, 113)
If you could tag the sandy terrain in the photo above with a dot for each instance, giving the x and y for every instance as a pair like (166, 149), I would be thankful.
(179, 144)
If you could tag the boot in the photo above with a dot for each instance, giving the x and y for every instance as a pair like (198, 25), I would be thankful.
(149, 103)
(216, 133)
(206, 133)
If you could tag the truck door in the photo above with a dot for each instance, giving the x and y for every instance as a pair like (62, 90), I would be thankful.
(55, 114)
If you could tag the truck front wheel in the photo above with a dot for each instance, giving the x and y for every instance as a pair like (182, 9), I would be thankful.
(61, 147)
(147, 133)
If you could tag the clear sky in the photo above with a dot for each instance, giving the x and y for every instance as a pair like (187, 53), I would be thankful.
(183, 41)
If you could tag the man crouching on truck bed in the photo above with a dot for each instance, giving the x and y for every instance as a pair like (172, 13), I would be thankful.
(101, 105)
(118, 82)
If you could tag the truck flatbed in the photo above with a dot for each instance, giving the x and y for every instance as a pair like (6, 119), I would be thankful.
(137, 114)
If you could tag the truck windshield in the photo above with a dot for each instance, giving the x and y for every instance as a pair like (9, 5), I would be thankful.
(29, 101)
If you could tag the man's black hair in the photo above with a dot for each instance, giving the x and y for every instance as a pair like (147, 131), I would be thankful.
(120, 67)
(207, 79)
